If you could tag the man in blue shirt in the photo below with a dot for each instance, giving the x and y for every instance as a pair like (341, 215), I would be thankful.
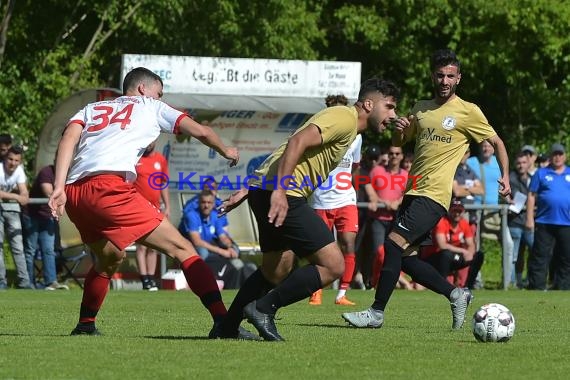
(194, 202)
(550, 193)
(206, 232)
(486, 167)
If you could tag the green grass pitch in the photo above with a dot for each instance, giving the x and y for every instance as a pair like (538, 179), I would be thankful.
(162, 335)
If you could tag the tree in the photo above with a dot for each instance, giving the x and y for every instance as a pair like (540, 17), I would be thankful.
(515, 54)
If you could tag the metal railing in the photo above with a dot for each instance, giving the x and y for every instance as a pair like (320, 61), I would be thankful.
(505, 234)
(506, 241)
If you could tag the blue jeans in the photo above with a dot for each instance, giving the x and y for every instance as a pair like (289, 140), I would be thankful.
(203, 252)
(41, 232)
(11, 230)
(519, 235)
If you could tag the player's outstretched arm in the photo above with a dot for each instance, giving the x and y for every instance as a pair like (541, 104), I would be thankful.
(208, 137)
(63, 159)
(233, 201)
(503, 159)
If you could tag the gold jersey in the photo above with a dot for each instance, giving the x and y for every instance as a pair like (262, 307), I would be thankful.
(442, 134)
(338, 127)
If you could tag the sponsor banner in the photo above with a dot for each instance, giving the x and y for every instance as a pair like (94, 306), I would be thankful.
(249, 76)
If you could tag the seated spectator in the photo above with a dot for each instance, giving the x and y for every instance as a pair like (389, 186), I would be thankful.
(466, 185)
(206, 232)
(193, 204)
(453, 247)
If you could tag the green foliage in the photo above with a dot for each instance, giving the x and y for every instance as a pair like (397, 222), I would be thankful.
(515, 54)
(162, 335)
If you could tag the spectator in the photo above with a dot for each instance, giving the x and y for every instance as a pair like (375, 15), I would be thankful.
(213, 243)
(384, 158)
(41, 229)
(530, 153)
(389, 182)
(150, 163)
(365, 193)
(407, 161)
(5, 145)
(550, 193)
(454, 247)
(485, 165)
(466, 186)
(193, 204)
(13, 194)
(520, 182)
(543, 160)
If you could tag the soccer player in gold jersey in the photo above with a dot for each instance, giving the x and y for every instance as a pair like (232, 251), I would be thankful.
(286, 222)
(442, 128)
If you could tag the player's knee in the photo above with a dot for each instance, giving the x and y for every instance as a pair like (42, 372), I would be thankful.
(337, 270)
(398, 240)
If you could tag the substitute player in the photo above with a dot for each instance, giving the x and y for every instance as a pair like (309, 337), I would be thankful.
(95, 171)
(152, 164)
(335, 203)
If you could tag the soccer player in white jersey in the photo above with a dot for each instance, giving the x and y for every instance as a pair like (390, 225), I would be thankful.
(335, 202)
(95, 171)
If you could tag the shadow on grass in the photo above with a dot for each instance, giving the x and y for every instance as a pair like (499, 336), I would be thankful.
(172, 337)
(31, 334)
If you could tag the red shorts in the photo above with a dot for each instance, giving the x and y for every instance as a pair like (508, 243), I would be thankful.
(344, 219)
(107, 207)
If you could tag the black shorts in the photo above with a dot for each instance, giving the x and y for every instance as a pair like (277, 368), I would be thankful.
(416, 218)
(303, 231)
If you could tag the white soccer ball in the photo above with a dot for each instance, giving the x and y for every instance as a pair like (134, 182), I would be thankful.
(493, 322)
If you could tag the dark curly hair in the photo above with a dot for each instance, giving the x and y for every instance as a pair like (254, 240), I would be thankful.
(444, 57)
(336, 100)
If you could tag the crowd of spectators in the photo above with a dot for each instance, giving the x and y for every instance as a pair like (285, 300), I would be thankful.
(537, 246)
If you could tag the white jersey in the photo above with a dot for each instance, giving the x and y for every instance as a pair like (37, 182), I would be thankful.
(336, 190)
(9, 183)
(116, 133)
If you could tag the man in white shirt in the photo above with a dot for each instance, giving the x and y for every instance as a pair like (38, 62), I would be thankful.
(13, 194)
(95, 171)
(335, 202)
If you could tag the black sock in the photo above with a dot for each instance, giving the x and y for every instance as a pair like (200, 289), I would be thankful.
(474, 268)
(253, 288)
(426, 275)
(299, 285)
(389, 274)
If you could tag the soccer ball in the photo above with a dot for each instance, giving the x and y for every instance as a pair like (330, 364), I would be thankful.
(493, 322)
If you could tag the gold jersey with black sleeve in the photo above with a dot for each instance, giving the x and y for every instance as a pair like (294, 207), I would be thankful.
(442, 134)
(338, 128)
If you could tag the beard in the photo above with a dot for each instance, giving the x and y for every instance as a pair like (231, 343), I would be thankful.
(374, 123)
(451, 92)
